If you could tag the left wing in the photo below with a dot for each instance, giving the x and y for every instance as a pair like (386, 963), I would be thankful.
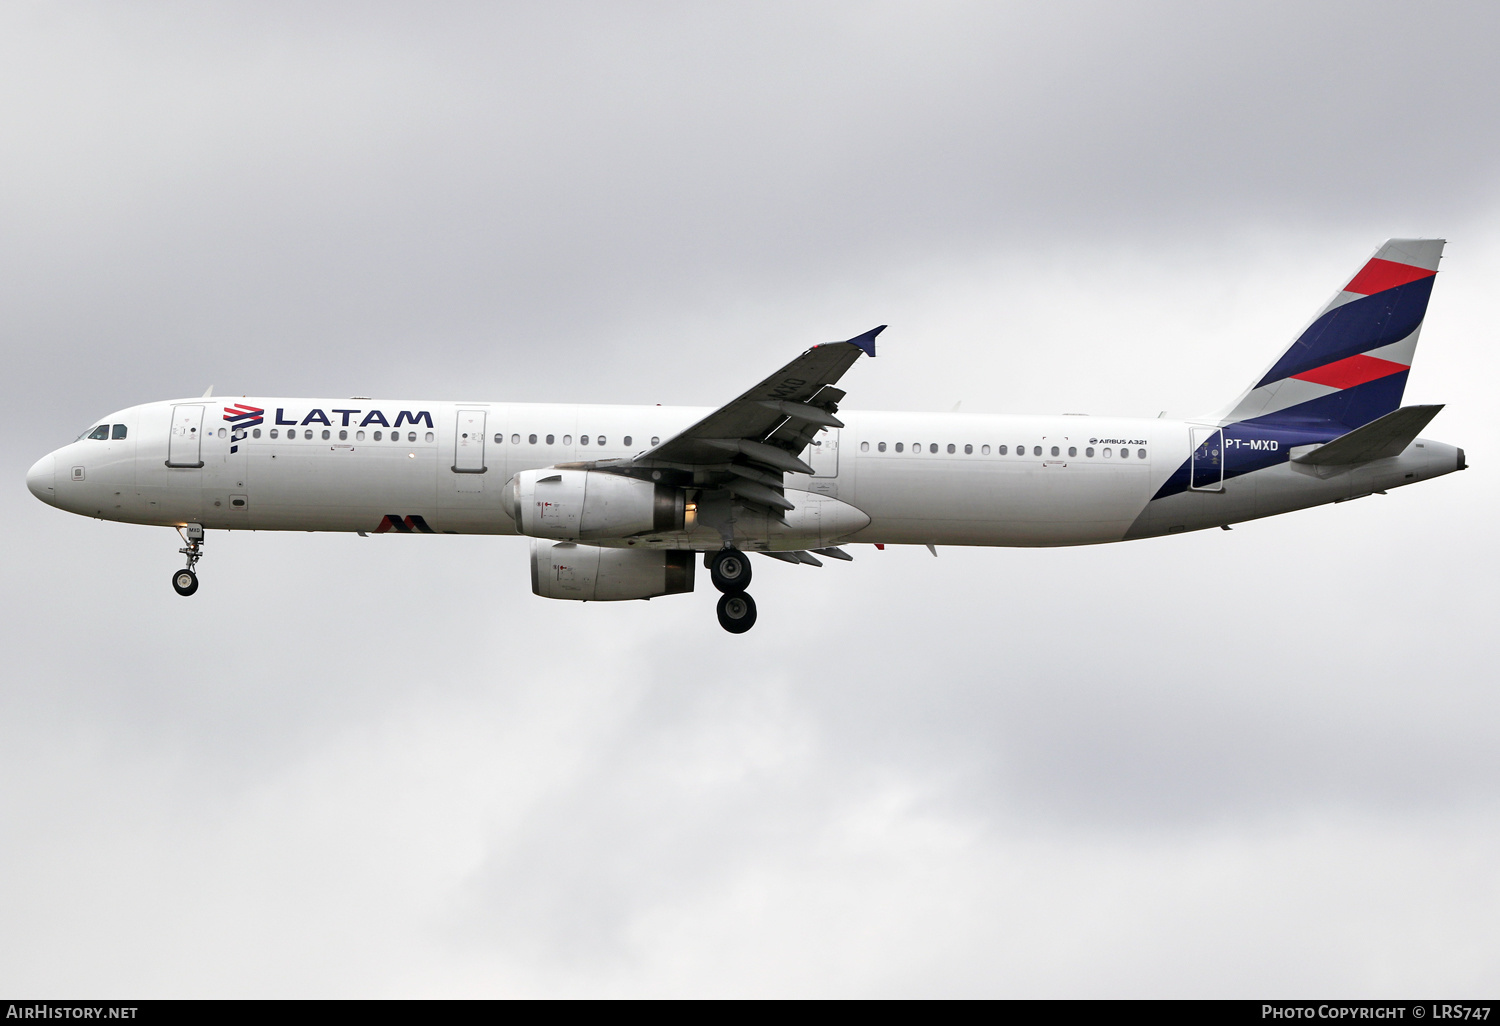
(744, 447)
(772, 423)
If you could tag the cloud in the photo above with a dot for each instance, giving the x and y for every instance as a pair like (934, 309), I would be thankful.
(1227, 764)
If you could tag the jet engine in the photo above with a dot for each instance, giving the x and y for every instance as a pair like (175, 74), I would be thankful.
(589, 573)
(572, 504)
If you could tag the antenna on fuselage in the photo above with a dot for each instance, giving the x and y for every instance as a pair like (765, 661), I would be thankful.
(208, 393)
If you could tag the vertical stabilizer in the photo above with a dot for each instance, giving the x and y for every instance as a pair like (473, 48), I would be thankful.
(1349, 366)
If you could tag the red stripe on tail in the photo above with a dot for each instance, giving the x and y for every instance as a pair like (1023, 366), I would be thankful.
(1379, 275)
(1356, 370)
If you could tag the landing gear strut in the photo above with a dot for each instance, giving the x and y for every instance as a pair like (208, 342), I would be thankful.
(729, 569)
(185, 581)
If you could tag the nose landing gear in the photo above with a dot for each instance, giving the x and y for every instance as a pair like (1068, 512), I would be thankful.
(185, 581)
(729, 569)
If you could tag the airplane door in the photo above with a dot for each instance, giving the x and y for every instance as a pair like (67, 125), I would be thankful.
(1207, 472)
(185, 444)
(468, 443)
(823, 453)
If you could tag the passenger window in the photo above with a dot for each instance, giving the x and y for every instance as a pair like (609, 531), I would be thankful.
(1108, 453)
(551, 439)
(599, 440)
(1140, 454)
(359, 436)
(1003, 450)
(951, 449)
(933, 448)
(118, 432)
(429, 436)
(377, 436)
(1089, 452)
(655, 440)
(327, 434)
(516, 439)
(898, 446)
(531, 439)
(100, 433)
(968, 450)
(627, 440)
(255, 433)
(582, 439)
(864, 446)
(307, 434)
(223, 433)
(1124, 453)
(1036, 450)
(880, 447)
(343, 436)
(1072, 450)
(1054, 451)
(273, 433)
(499, 438)
(984, 450)
(567, 439)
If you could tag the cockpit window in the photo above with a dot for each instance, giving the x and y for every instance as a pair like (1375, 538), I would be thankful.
(100, 432)
(117, 432)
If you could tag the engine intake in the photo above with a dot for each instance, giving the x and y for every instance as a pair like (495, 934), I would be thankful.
(578, 504)
(589, 573)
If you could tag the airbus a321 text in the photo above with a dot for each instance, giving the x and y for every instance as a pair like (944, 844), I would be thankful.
(618, 501)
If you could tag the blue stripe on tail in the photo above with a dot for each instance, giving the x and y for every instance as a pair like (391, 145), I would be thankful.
(1356, 327)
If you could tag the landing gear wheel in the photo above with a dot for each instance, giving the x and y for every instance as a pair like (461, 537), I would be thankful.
(736, 612)
(186, 582)
(729, 569)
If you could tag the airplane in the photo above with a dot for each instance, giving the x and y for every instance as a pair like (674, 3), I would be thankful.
(620, 501)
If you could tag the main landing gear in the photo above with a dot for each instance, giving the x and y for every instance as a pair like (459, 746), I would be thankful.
(729, 569)
(185, 581)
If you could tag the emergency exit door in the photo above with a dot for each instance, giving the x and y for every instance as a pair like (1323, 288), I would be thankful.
(823, 453)
(185, 443)
(468, 443)
(1207, 471)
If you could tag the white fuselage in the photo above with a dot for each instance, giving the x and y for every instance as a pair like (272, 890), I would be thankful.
(957, 479)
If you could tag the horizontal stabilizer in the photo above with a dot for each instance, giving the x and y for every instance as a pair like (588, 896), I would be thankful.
(1386, 436)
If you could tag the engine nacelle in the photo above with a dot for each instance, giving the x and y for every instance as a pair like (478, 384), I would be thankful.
(573, 504)
(589, 573)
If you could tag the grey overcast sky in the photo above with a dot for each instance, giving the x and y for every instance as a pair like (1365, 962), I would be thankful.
(1263, 762)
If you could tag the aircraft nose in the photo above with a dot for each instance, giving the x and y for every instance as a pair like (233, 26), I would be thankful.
(39, 479)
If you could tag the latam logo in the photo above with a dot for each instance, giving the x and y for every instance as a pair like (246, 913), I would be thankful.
(243, 418)
(371, 417)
